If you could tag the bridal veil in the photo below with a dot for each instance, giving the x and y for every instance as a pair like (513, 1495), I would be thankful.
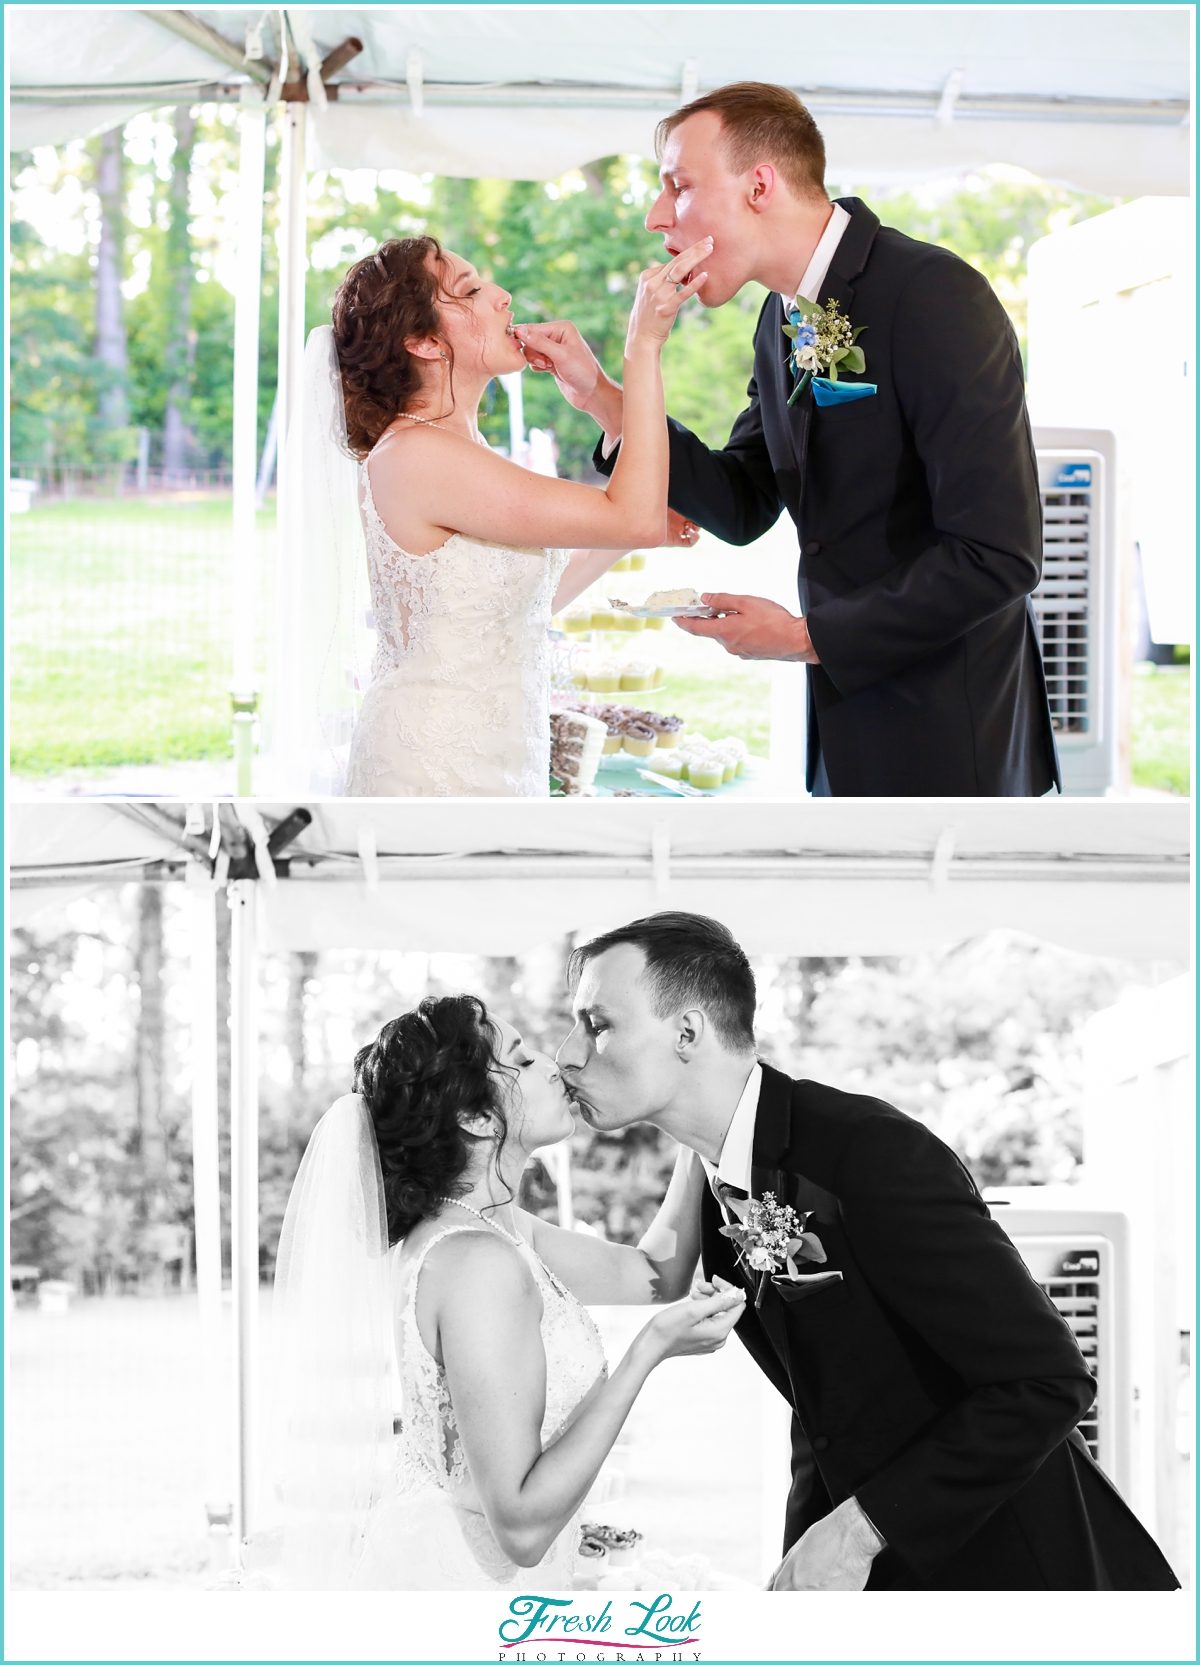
(323, 634)
(334, 1350)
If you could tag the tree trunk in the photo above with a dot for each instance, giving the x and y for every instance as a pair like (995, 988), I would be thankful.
(111, 346)
(181, 343)
(302, 967)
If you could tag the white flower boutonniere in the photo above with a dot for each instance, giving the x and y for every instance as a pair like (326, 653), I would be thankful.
(822, 341)
(772, 1237)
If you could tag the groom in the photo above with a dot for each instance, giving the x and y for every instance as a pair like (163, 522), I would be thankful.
(935, 1389)
(916, 505)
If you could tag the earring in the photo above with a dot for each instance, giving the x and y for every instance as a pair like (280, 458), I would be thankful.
(443, 358)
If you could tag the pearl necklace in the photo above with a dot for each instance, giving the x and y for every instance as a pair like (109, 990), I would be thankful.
(430, 422)
(519, 1242)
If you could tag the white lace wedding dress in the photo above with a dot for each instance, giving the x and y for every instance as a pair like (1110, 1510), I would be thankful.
(428, 1531)
(459, 699)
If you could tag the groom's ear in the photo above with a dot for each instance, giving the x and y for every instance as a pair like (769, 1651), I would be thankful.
(692, 1028)
(763, 185)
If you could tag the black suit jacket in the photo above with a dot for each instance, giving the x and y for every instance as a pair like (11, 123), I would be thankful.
(936, 1382)
(919, 522)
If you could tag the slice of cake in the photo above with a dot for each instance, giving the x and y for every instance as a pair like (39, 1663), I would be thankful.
(672, 598)
(576, 746)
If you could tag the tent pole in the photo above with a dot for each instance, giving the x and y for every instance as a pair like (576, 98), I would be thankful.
(243, 1131)
(293, 262)
(245, 429)
(206, 1193)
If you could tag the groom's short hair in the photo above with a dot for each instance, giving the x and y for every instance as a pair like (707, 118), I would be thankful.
(761, 122)
(690, 961)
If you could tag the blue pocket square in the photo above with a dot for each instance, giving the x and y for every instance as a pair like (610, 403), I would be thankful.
(826, 392)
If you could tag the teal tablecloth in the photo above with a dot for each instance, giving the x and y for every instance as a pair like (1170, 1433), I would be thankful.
(620, 773)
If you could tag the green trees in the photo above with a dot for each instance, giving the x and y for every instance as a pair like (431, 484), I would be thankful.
(568, 248)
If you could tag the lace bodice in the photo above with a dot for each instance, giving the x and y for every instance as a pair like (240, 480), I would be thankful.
(458, 703)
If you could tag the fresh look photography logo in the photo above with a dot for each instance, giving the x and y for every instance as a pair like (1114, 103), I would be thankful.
(559, 1628)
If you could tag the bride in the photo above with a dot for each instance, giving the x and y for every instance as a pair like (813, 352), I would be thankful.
(469, 554)
(402, 1230)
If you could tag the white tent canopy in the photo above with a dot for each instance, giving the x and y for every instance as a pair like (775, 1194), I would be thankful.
(1096, 96)
(497, 878)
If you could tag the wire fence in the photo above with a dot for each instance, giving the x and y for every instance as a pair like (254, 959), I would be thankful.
(120, 622)
(121, 479)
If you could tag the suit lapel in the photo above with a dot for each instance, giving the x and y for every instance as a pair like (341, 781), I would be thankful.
(849, 258)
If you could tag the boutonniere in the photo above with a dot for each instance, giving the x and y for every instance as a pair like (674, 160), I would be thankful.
(771, 1237)
(823, 340)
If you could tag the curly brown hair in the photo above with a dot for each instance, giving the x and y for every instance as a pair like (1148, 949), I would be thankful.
(384, 300)
(422, 1073)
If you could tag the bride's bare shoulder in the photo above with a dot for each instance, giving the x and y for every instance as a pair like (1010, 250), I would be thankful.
(411, 446)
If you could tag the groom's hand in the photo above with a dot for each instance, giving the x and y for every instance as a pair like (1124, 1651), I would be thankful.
(834, 1554)
(559, 350)
(754, 628)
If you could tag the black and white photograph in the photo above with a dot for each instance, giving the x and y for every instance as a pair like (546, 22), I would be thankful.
(501, 1164)
(360, 1155)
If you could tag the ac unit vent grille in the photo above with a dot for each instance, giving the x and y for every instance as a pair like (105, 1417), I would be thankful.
(1064, 605)
(1079, 1302)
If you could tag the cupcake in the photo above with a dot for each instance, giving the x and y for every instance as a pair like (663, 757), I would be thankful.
(576, 620)
(603, 677)
(638, 673)
(706, 774)
(668, 729)
(629, 621)
(603, 618)
(671, 765)
(637, 560)
(660, 676)
(623, 565)
(656, 624)
(639, 738)
(614, 736)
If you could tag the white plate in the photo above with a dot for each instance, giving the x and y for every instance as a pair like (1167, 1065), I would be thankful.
(666, 612)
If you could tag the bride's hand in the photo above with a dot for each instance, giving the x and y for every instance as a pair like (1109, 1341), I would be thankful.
(699, 1324)
(661, 291)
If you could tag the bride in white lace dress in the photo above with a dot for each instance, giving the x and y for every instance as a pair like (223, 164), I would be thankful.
(469, 554)
(507, 1409)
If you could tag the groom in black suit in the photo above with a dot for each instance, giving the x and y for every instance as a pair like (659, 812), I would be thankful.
(935, 1388)
(916, 506)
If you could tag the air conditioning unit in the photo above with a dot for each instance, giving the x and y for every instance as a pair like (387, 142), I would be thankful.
(1076, 601)
(1080, 1256)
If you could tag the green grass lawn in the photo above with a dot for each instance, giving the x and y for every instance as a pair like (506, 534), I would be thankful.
(119, 631)
(1162, 727)
(119, 645)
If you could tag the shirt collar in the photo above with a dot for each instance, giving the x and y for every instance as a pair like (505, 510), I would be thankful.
(818, 267)
(737, 1153)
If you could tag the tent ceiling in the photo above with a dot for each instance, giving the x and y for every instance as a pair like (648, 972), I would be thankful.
(1094, 95)
(787, 878)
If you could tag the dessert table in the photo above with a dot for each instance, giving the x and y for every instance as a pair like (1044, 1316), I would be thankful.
(620, 774)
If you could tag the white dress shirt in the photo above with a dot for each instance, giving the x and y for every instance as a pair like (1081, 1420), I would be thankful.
(818, 266)
(737, 1153)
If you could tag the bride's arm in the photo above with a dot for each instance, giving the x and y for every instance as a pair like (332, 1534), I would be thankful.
(614, 1274)
(586, 565)
(450, 483)
(488, 1315)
